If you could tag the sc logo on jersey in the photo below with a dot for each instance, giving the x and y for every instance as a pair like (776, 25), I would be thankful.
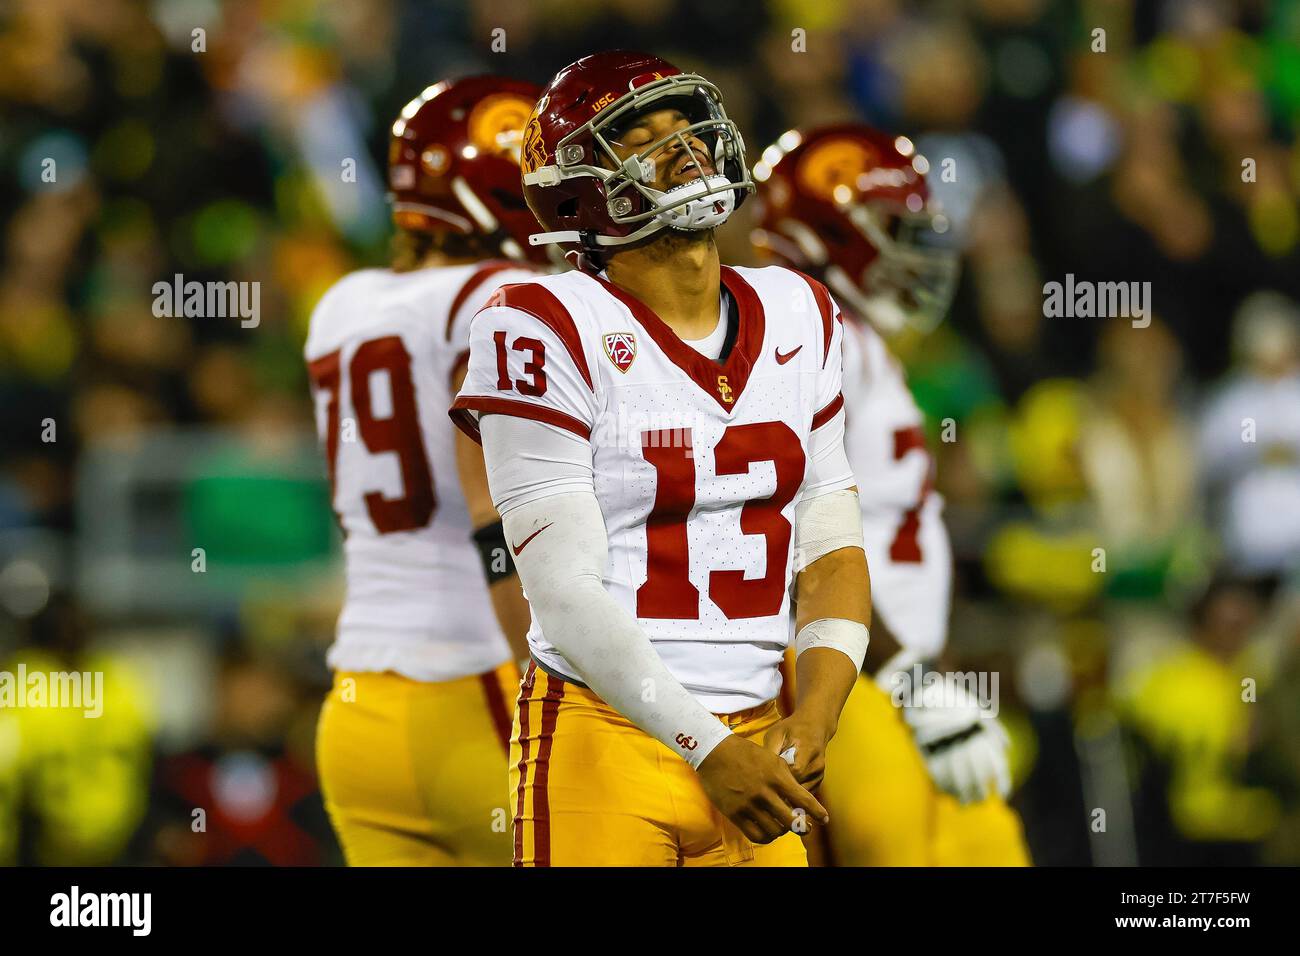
(621, 349)
(686, 742)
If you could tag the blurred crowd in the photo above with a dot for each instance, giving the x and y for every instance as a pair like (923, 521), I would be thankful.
(1124, 501)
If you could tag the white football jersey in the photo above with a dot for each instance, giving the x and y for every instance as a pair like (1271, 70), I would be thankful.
(381, 351)
(908, 551)
(698, 464)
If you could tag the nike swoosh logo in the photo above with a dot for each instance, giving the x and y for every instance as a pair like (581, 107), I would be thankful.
(782, 359)
(516, 548)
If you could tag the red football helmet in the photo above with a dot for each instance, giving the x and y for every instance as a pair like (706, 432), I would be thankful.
(579, 189)
(849, 204)
(453, 162)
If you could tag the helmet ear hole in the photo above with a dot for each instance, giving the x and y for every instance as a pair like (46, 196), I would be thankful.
(568, 209)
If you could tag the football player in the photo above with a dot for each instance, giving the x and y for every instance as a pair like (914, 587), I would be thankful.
(412, 739)
(664, 442)
(916, 776)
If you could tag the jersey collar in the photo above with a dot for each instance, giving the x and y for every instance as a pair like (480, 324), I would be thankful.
(725, 381)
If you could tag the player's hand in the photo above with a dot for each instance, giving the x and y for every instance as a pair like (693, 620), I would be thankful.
(808, 738)
(965, 747)
(754, 789)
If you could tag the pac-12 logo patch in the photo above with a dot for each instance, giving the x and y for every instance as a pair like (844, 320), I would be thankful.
(621, 349)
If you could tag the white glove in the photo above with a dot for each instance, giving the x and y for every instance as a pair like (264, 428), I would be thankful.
(964, 746)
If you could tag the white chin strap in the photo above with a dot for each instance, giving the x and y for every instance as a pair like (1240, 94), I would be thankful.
(706, 210)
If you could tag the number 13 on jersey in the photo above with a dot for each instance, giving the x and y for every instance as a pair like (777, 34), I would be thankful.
(668, 591)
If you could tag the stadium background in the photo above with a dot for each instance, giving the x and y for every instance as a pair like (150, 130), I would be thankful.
(129, 440)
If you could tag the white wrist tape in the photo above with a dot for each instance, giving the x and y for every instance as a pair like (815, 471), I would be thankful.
(825, 524)
(849, 637)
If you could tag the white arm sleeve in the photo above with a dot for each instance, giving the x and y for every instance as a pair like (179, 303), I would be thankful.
(529, 460)
(562, 570)
(828, 461)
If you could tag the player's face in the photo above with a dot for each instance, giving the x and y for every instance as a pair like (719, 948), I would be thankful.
(677, 162)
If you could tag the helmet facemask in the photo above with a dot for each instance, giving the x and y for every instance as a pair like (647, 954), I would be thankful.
(631, 199)
(912, 280)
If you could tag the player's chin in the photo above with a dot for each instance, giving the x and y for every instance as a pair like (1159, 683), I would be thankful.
(680, 236)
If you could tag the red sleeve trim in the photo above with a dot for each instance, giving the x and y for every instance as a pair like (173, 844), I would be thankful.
(484, 405)
(827, 413)
(541, 304)
(476, 279)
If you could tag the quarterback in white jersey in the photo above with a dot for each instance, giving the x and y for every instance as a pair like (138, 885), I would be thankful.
(664, 441)
(412, 740)
(698, 465)
(850, 204)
